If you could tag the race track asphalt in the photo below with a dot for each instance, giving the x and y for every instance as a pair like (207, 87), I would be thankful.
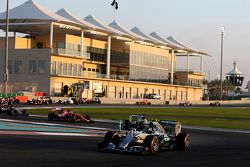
(209, 148)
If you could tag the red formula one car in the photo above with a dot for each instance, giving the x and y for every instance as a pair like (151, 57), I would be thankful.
(67, 115)
(143, 102)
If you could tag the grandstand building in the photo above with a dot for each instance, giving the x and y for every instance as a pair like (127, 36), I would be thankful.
(62, 50)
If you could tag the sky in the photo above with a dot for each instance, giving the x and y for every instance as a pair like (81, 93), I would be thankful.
(195, 23)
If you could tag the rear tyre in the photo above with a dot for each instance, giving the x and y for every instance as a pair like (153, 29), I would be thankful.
(183, 141)
(151, 144)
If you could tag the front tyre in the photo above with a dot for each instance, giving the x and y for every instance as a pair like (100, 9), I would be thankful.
(112, 137)
(151, 144)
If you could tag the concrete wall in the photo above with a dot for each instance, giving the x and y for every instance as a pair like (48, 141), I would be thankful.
(24, 76)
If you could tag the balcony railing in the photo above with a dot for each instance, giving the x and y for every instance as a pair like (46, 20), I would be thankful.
(119, 77)
(189, 71)
(71, 53)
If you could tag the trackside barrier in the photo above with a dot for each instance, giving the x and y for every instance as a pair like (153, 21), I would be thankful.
(3, 95)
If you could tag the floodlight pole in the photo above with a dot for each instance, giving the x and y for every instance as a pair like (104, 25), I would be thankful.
(6, 49)
(221, 60)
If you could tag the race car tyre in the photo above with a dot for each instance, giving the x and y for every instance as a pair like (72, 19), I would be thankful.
(183, 141)
(112, 137)
(151, 144)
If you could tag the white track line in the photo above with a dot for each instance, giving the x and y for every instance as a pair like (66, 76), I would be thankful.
(217, 129)
(52, 124)
(48, 134)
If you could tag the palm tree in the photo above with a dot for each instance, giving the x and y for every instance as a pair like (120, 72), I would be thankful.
(213, 88)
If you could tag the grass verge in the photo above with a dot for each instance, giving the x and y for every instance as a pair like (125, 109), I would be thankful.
(229, 118)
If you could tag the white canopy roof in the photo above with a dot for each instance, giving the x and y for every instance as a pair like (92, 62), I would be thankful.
(193, 52)
(92, 20)
(176, 43)
(120, 28)
(155, 36)
(65, 13)
(31, 11)
(235, 71)
(142, 35)
(30, 17)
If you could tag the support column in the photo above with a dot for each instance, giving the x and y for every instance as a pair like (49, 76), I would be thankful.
(82, 36)
(188, 62)
(172, 68)
(51, 35)
(201, 65)
(6, 72)
(108, 57)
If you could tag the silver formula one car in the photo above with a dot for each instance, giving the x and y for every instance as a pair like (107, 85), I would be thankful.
(155, 136)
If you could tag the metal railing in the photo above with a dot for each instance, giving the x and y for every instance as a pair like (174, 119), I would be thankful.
(189, 71)
(72, 53)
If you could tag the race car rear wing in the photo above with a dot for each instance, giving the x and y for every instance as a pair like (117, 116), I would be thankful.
(171, 127)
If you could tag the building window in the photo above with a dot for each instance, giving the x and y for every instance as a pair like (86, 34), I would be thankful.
(17, 66)
(93, 70)
(79, 71)
(32, 66)
(59, 68)
(53, 68)
(69, 68)
(64, 68)
(84, 69)
(97, 70)
(10, 64)
(74, 69)
(41, 66)
(89, 69)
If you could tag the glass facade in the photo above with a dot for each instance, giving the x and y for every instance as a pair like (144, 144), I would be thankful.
(121, 58)
(149, 67)
(97, 54)
(67, 69)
